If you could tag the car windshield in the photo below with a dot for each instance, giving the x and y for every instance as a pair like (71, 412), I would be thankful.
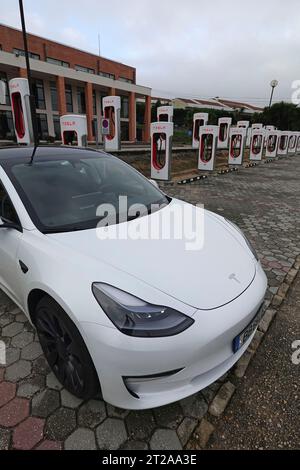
(70, 194)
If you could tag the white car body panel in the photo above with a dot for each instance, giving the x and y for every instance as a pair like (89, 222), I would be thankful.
(197, 283)
(204, 273)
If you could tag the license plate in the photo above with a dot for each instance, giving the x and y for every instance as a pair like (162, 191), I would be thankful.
(243, 337)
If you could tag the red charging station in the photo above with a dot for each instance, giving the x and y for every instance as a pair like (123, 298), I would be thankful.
(74, 130)
(292, 146)
(199, 120)
(19, 97)
(161, 150)
(257, 144)
(237, 143)
(283, 143)
(224, 130)
(298, 143)
(208, 141)
(272, 142)
(246, 125)
(165, 113)
(111, 106)
(256, 126)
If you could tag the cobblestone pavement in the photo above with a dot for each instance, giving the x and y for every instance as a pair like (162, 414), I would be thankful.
(35, 412)
(265, 411)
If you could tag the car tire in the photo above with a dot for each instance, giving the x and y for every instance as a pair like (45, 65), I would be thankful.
(65, 350)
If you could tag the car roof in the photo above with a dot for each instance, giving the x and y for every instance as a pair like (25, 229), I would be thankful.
(23, 153)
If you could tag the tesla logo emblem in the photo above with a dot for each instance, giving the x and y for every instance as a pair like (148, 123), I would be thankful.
(233, 277)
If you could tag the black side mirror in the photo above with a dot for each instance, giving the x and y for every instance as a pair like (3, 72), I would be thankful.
(11, 225)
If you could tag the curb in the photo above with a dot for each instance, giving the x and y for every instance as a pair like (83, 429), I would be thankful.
(225, 171)
(219, 403)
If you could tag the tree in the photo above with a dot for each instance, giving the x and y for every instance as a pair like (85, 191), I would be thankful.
(284, 116)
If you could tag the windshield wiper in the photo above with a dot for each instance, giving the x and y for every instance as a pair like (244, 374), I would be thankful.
(63, 229)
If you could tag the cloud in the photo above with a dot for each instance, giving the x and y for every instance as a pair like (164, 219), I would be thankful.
(73, 37)
(194, 48)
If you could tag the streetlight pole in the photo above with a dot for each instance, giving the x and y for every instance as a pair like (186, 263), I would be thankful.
(273, 84)
(31, 96)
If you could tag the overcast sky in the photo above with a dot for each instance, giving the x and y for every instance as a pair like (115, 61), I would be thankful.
(187, 48)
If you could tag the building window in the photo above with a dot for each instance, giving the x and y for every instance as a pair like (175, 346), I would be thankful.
(61, 63)
(124, 131)
(81, 100)
(6, 125)
(32, 55)
(94, 103)
(38, 91)
(3, 77)
(56, 123)
(54, 98)
(124, 106)
(107, 75)
(42, 126)
(123, 79)
(69, 98)
(80, 68)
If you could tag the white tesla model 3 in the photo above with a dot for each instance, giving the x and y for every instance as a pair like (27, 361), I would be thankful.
(144, 322)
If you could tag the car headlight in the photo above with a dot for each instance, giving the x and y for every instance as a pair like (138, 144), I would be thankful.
(134, 317)
(248, 243)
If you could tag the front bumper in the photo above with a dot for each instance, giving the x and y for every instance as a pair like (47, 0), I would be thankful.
(202, 354)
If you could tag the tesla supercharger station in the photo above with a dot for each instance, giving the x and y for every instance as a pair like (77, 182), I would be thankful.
(246, 125)
(268, 129)
(292, 146)
(237, 143)
(257, 144)
(165, 113)
(298, 143)
(283, 143)
(19, 97)
(2, 92)
(256, 126)
(208, 142)
(74, 130)
(161, 150)
(248, 137)
(272, 141)
(199, 120)
(111, 106)
(224, 129)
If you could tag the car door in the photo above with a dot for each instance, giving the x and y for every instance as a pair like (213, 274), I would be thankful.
(10, 239)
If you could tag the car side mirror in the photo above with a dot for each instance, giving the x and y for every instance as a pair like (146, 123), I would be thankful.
(11, 225)
(7, 214)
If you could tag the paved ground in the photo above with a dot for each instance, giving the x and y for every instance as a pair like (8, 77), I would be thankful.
(36, 413)
(265, 411)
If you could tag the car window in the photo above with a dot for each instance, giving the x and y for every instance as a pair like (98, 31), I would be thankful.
(64, 194)
(7, 210)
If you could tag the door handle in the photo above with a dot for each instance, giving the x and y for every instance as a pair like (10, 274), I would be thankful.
(23, 267)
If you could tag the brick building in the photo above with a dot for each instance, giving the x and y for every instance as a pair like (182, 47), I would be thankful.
(68, 80)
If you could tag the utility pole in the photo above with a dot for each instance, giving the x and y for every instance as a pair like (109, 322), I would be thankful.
(31, 96)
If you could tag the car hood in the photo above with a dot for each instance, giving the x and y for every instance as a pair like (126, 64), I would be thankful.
(205, 278)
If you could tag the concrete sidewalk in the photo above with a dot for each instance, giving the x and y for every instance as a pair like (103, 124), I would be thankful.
(265, 410)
